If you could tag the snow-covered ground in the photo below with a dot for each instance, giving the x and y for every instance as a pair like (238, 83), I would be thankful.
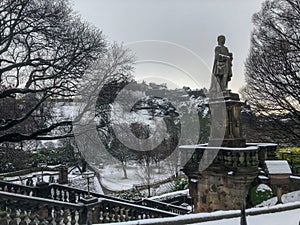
(112, 177)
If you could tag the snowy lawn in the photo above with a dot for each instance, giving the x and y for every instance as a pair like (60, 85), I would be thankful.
(113, 178)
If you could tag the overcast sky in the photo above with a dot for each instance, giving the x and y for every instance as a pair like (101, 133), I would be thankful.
(174, 40)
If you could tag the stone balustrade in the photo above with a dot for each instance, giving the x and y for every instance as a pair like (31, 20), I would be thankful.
(59, 204)
(18, 189)
(226, 159)
(20, 209)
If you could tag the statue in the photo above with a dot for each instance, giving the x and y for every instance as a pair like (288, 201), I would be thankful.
(222, 71)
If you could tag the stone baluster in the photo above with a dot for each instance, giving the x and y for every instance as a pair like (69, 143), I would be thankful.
(42, 219)
(3, 218)
(127, 218)
(13, 217)
(117, 213)
(82, 216)
(254, 158)
(60, 194)
(241, 159)
(220, 158)
(6, 188)
(51, 212)
(73, 216)
(96, 214)
(66, 214)
(55, 197)
(121, 214)
(23, 217)
(72, 197)
(248, 159)
(111, 216)
(225, 156)
(58, 216)
(133, 214)
(50, 219)
(101, 216)
(65, 197)
(142, 215)
(232, 159)
(32, 218)
(235, 158)
(106, 218)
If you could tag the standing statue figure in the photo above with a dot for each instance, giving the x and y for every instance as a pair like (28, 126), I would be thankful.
(222, 71)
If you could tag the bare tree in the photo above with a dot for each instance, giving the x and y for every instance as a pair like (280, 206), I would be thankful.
(99, 88)
(272, 68)
(44, 51)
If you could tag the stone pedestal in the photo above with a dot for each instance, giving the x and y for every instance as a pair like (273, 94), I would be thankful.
(224, 185)
(221, 172)
(42, 189)
(225, 128)
(217, 191)
(63, 175)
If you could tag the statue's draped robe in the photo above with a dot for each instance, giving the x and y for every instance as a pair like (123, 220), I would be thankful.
(222, 72)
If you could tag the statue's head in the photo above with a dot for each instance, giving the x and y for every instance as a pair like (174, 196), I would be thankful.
(221, 39)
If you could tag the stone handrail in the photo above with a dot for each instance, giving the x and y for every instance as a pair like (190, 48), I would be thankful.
(68, 194)
(165, 206)
(17, 188)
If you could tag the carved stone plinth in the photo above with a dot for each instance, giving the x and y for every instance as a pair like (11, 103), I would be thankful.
(225, 183)
(225, 129)
(221, 172)
(219, 191)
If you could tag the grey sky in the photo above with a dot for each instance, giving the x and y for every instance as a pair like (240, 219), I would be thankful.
(183, 28)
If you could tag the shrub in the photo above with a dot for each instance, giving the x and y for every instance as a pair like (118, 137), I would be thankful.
(291, 154)
(181, 184)
(55, 156)
(129, 195)
(260, 193)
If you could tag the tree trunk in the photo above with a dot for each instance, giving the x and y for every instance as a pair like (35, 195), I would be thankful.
(84, 165)
(124, 170)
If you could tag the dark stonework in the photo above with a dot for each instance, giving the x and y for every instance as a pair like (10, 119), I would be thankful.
(63, 175)
(226, 182)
